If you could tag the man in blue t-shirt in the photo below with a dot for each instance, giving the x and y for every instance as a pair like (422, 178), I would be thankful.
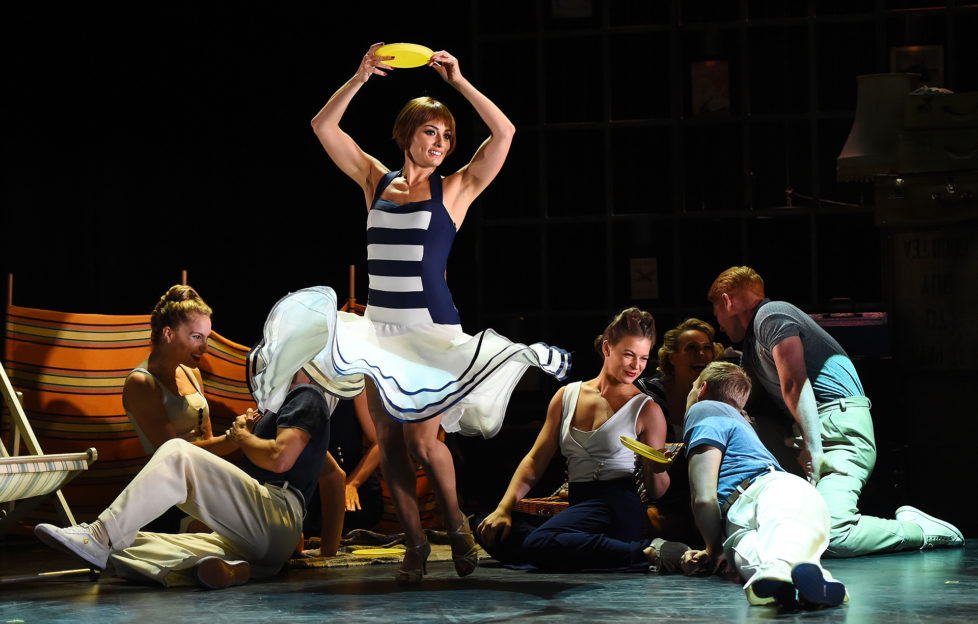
(255, 511)
(809, 375)
(769, 525)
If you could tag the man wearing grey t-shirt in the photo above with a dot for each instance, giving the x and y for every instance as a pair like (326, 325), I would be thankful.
(808, 374)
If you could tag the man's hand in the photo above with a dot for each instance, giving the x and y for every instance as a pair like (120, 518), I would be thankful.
(243, 425)
(818, 466)
(352, 498)
(696, 563)
(700, 563)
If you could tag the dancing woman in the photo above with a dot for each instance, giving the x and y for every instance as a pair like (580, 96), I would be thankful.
(419, 368)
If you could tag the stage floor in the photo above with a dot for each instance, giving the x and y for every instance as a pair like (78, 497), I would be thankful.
(935, 586)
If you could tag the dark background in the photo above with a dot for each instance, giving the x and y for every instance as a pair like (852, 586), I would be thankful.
(140, 140)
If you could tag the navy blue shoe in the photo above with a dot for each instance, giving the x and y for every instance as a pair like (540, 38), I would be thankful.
(771, 591)
(814, 590)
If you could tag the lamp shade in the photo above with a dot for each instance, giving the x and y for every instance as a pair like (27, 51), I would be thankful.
(872, 146)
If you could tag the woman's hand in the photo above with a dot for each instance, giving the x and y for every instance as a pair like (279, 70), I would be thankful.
(495, 528)
(447, 67)
(352, 498)
(373, 64)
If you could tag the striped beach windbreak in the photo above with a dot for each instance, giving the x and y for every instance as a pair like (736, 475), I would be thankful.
(71, 368)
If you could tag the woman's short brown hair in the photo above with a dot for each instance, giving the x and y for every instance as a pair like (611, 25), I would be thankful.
(417, 112)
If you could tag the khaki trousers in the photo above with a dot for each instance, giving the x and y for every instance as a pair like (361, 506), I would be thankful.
(253, 522)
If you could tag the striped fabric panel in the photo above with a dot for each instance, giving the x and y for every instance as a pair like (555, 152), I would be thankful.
(396, 284)
(71, 369)
(397, 300)
(408, 253)
(29, 483)
(43, 463)
(49, 327)
(394, 268)
(223, 368)
(416, 220)
(403, 316)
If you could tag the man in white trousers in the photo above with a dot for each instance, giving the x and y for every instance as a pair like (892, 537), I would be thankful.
(770, 525)
(255, 511)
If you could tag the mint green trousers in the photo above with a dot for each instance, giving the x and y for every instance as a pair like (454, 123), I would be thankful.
(850, 445)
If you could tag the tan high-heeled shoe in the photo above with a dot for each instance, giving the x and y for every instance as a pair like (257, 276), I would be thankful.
(415, 564)
(465, 552)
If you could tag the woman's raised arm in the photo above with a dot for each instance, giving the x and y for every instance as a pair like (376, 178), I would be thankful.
(342, 149)
(464, 186)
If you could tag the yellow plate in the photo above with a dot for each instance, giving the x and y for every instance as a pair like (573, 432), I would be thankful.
(405, 54)
(645, 450)
(378, 552)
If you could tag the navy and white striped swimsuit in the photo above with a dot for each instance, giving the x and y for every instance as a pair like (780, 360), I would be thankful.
(407, 251)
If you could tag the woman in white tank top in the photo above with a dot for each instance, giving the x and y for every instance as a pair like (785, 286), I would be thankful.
(603, 526)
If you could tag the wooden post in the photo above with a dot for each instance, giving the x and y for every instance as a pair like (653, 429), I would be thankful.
(353, 298)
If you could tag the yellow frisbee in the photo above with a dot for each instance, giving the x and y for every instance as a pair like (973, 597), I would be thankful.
(645, 450)
(377, 552)
(405, 54)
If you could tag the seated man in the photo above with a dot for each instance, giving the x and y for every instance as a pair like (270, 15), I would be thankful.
(256, 511)
(771, 525)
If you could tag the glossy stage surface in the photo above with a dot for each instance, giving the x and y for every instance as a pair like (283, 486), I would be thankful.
(933, 586)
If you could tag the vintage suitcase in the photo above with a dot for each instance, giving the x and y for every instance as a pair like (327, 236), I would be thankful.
(546, 506)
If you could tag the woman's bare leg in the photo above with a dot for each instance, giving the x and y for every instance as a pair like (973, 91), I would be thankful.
(395, 462)
(424, 445)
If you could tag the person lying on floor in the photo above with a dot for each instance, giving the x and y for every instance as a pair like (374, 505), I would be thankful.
(603, 526)
(255, 511)
(767, 525)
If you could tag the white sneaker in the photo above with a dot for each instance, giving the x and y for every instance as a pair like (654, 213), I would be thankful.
(75, 540)
(937, 533)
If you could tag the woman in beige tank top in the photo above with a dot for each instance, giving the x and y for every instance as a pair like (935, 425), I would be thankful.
(163, 396)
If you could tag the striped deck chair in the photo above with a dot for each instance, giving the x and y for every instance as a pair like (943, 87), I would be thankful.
(71, 368)
(29, 479)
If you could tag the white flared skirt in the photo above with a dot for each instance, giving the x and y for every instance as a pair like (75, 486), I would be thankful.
(420, 370)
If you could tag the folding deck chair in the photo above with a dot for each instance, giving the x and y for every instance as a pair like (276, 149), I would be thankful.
(29, 479)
